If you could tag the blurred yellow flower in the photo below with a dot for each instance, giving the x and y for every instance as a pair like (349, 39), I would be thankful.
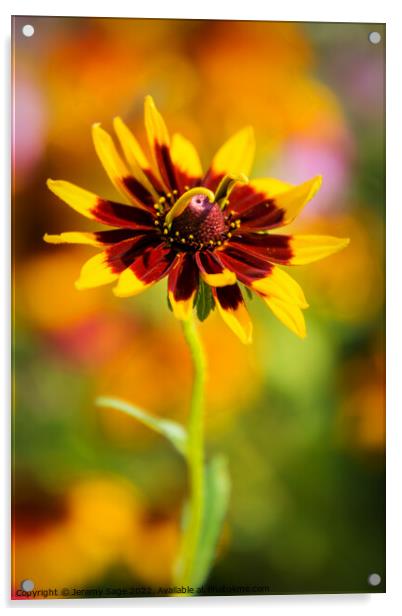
(102, 521)
(46, 298)
(151, 554)
(78, 544)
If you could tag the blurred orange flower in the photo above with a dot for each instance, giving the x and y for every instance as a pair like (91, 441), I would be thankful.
(142, 372)
(361, 423)
(353, 291)
(270, 64)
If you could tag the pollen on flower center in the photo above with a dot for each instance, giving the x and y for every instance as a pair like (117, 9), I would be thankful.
(201, 225)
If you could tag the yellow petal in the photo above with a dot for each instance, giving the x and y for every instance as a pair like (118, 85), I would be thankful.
(155, 124)
(182, 309)
(286, 198)
(236, 155)
(129, 285)
(134, 154)
(182, 285)
(270, 186)
(239, 322)
(95, 272)
(309, 248)
(131, 148)
(185, 157)
(279, 284)
(292, 201)
(111, 160)
(289, 314)
(157, 134)
(223, 279)
(237, 319)
(79, 199)
(73, 237)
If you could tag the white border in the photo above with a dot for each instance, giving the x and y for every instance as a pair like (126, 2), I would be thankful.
(285, 10)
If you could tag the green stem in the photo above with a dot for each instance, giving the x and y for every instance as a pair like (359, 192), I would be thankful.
(195, 455)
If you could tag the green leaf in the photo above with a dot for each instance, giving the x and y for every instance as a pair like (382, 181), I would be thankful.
(169, 303)
(217, 492)
(248, 292)
(205, 301)
(173, 431)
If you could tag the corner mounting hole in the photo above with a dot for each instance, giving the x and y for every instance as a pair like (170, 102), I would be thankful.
(28, 30)
(374, 38)
(27, 585)
(374, 579)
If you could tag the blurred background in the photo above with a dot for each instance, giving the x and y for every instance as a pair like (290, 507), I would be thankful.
(97, 497)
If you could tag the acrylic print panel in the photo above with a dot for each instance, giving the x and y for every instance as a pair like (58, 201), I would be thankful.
(198, 219)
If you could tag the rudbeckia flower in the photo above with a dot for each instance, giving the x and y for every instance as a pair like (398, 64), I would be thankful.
(207, 233)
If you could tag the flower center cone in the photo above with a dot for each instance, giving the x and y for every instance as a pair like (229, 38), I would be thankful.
(201, 221)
